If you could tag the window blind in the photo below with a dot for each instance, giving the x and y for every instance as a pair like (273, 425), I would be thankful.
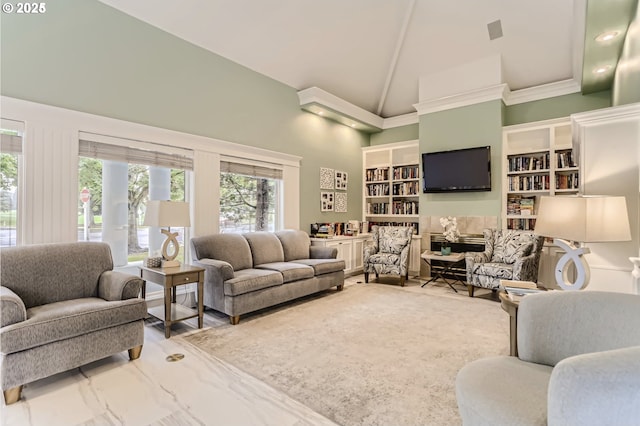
(10, 144)
(250, 170)
(149, 157)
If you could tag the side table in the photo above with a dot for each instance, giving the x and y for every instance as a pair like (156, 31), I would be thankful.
(511, 307)
(170, 278)
(450, 262)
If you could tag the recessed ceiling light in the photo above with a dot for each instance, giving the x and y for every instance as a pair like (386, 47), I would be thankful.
(353, 124)
(602, 70)
(609, 35)
(320, 112)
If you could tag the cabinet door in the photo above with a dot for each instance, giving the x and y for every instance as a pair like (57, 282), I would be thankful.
(344, 252)
(357, 257)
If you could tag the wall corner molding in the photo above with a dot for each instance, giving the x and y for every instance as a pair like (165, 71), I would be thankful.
(498, 91)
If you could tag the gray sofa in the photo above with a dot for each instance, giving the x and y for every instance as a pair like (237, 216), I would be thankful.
(244, 273)
(63, 306)
(578, 364)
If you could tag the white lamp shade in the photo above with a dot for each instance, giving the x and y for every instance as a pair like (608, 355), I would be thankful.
(167, 213)
(584, 218)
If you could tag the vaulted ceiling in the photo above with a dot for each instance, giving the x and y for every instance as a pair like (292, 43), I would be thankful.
(372, 53)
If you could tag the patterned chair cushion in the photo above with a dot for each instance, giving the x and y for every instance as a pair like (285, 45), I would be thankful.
(385, 259)
(510, 246)
(393, 245)
(494, 270)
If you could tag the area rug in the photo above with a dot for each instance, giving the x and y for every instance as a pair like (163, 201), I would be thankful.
(372, 354)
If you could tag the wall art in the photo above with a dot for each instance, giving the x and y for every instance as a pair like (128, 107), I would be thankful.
(326, 178)
(326, 201)
(341, 180)
(341, 202)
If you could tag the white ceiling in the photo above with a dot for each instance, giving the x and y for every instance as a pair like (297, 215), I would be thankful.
(349, 47)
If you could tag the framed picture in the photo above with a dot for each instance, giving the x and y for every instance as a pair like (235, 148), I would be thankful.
(341, 202)
(326, 201)
(341, 180)
(326, 178)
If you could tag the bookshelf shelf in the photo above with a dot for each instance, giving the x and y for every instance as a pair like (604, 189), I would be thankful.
(391, 175)
(538, 161)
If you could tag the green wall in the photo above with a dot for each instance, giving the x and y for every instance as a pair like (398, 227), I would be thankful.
(409, 132)
(474, 125)
(626, 85)
(557, 107)
(86, 56)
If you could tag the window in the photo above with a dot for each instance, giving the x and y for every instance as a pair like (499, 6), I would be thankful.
(10, 160)
(250, 197)
(115, 182)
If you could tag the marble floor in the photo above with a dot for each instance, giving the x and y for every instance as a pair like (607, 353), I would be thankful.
(197, 390)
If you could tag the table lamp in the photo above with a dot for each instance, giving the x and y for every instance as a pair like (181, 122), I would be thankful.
(168, 213)
(582, 219)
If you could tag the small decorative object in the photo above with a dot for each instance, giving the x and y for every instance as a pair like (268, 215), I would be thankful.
(341, 202)
(326, 201)
(326, 178)
(153, 262)
(341, 180)
(167, 214)
(451, 234)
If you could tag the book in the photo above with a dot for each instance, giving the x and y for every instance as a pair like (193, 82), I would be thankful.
(518, 284)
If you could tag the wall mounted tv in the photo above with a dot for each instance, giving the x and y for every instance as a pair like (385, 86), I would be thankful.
(460, 170)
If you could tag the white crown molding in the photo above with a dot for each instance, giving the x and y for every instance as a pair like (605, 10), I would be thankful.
(315, 95)
(544, 91)
(462, 99)
(400, 120)
(611, 114)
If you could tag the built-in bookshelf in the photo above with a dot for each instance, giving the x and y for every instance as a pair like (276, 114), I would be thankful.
(538, 159)
(391, 184)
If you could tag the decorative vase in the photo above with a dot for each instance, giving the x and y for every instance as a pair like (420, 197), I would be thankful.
(445, 251)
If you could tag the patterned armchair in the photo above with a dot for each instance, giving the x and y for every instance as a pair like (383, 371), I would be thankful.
(389, 253)
(508, 255)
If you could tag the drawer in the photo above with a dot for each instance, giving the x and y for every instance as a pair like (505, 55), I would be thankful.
(191, 277)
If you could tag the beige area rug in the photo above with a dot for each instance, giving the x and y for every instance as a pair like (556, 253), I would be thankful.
(373, 354)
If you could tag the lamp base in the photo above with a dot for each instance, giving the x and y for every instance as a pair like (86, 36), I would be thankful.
(575, 255)
(170, 263)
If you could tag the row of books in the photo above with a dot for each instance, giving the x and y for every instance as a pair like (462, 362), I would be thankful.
(520, 205)
(377, 189)
(377, 208)
(565, 159)
(405, 207)
(372, 175)
(567, 181)
(529, 162)
(521, 224)
(405, 172)
(528, 183)
(413, 224)
(406, 188)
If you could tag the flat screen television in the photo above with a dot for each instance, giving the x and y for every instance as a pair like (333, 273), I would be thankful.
(459, 170)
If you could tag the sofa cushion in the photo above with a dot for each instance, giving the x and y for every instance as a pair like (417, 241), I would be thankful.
(290, 271)
(508, 245)
(385, 259)
(248, 280)
(265, 247)
(494, 270)
(231, 248)
(323, 266)
(66, 319)
(295, 244)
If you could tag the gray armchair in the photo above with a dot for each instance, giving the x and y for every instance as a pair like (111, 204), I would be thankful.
(62, 306)
(389, 253)
(578, 364)
(508, 255)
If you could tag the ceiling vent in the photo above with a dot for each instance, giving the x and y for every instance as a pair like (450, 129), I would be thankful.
(495, 29)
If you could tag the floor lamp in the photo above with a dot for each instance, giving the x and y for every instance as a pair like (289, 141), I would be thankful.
(168, 213)
(581, 219)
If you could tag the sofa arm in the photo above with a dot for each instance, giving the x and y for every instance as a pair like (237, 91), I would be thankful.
(471, 258)
(599, 388)
(12, 309)
(114, 285)
(317, 252)
(215, 270)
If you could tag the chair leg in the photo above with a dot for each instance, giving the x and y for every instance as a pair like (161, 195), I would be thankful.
(402, 278)
(471, 289)
(340, 287)
(12, 395)
(234, 320)
(134, 353)
(366, 277)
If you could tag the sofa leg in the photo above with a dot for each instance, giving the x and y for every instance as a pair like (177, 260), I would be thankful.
(12, 395)
(134, 353)
(366, 277)
(471, 289)
(340, 287)
(402, 278)
(234, 319)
